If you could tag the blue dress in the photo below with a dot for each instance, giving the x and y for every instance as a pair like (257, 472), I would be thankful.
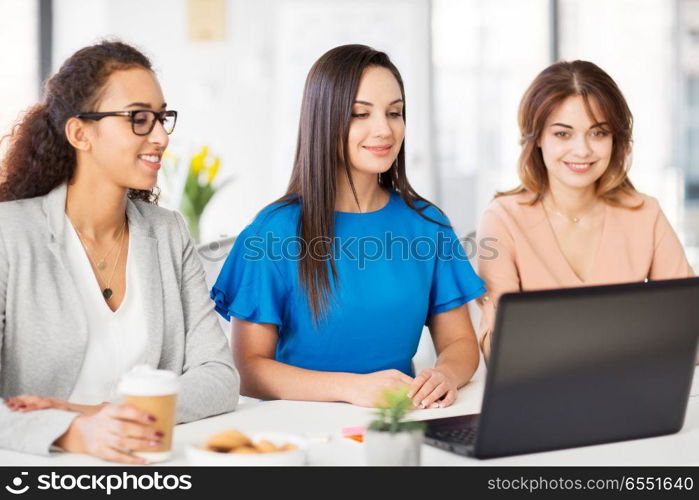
(395, 270)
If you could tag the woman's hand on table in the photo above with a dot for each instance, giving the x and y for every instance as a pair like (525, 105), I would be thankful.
(111, 434)
(367, 389)
(433, 388)
(31, 402)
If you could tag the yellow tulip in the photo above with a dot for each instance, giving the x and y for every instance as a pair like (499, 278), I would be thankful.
(198, 160)
(213, 170)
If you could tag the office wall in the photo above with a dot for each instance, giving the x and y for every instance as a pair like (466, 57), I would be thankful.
(466, 64)
(635, 42)
(485, 54)
(242, 95)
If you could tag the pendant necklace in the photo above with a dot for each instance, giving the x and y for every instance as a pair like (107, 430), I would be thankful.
(107, 292)
(102, 263)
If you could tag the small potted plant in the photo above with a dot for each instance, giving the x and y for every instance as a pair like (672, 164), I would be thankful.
(390, 439)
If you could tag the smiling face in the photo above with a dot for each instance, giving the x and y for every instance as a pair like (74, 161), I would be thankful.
(124, 158)
(575, 146)
(377, 128)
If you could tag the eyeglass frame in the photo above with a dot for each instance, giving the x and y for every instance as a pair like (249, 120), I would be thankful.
(159, 115)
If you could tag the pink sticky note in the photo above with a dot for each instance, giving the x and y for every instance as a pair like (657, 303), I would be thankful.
(357, 430)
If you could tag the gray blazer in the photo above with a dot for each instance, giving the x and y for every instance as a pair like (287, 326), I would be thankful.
(43, 330)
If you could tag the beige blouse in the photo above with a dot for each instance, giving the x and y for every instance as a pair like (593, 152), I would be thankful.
(518, 251)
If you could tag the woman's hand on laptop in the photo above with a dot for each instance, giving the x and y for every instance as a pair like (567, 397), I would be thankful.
(433, 388)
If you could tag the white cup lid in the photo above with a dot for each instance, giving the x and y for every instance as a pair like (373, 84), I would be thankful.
(143, 380)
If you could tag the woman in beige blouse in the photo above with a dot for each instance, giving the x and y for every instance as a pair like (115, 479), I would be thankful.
(576, 219)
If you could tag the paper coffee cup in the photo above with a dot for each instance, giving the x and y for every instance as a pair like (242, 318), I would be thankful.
(155, 392)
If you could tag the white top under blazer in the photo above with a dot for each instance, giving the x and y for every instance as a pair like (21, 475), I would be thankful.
(116, 339)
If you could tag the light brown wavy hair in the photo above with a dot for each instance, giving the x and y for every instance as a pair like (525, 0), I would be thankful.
(548, 90)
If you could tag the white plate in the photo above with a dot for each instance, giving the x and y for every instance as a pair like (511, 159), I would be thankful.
(198, 455)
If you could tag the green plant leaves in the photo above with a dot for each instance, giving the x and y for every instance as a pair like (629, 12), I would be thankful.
(391, 412)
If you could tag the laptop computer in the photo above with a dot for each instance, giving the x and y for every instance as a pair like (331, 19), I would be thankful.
(581, 366)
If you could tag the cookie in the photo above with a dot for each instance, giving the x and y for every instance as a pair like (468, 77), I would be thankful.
(265, 447)
(244, 450)
(227, 440)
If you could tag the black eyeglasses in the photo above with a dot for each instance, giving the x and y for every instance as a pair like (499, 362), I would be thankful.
(142, 120)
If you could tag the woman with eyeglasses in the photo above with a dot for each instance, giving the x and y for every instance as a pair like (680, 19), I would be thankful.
(330, 287)
(95, 278)
(576, 219)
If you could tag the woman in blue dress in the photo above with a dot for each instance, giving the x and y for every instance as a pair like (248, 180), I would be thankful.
(329, 287)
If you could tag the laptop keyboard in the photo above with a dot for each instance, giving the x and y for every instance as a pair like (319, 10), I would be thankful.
(463, 435)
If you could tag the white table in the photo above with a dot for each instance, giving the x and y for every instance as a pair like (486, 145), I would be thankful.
(324, 421)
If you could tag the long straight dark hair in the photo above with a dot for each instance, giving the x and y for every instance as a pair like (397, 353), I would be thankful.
(326, 111)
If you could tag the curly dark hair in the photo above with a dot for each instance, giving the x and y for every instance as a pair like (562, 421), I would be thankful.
(39, 156)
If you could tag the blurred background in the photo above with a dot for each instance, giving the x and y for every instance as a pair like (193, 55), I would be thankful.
(235, 69)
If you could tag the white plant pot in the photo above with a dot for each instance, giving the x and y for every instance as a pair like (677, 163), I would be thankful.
(387, 448)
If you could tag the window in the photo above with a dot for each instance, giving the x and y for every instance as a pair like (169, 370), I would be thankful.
(19, 53)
